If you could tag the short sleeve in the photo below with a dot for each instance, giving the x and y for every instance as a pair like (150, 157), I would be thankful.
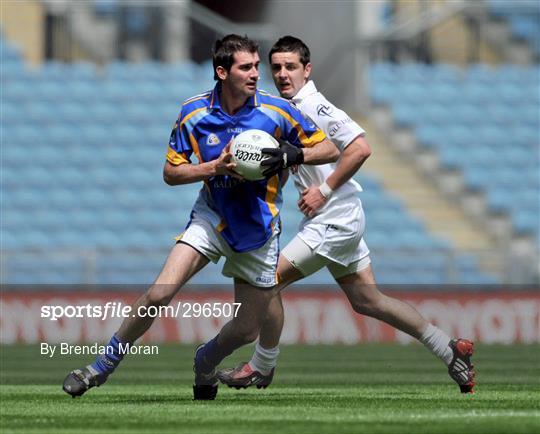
(337, 125)
(179, 149)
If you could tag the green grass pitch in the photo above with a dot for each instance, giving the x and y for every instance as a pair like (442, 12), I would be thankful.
(370, 388)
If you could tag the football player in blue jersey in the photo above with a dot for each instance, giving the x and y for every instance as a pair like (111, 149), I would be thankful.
(232, 217)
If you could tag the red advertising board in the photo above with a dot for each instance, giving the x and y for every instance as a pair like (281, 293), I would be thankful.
(310, 317)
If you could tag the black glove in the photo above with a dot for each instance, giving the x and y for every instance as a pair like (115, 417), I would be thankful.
(281, 158)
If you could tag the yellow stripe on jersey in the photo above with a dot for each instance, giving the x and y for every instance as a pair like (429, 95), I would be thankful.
(195, 147)
(265, 93)
(196, 99)
(315, 138)
(222, 225)
(189, 116)
(271, 194)
(176, 158)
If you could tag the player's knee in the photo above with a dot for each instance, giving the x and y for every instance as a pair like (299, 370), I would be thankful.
(362, 307)
(275, 317)
(370, 306)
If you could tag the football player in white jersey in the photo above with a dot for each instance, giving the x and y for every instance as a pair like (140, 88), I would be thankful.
(331, 234)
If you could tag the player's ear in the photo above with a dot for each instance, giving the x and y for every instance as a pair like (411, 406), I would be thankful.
(221, 72)
(307, 71)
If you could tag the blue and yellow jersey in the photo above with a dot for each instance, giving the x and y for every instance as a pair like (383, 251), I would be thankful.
(249, 210)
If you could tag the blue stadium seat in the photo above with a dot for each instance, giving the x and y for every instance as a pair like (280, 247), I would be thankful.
(54, 71)
(526, 221)
(9, 51)
(82, 71)
(477, 91)
(524, 135)
(403, 115)
(443, 92)
(382, 92)
(428, 135)
(412, 93)
(12, 70)
(443, 73)
(518, 74)
(490, 131)
(463, 113)
(18, 92)
(71, 112)
(37, 269)
(86, 92)
(382, 71)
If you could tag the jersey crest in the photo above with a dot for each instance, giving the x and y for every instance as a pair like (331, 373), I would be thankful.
(213, 140)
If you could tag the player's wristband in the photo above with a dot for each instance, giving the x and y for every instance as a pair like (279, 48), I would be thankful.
(325, 190)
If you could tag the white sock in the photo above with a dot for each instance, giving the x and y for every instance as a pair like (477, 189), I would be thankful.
(437, 342)
(263, 359)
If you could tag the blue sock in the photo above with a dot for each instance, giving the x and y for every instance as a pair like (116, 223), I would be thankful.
(106, 363)
(211, 355)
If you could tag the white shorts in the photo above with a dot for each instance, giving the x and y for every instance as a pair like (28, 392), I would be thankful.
(308, 261)
(336, 234)
(257, 267)
(333, 239)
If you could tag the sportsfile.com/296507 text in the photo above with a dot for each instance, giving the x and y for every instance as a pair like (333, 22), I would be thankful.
(113, 309)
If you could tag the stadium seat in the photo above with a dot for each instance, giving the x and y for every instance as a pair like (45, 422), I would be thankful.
(484, 122)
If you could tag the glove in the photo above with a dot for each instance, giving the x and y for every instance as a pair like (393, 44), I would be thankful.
(281, 158)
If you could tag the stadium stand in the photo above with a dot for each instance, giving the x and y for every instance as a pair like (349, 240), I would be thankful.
(483, 121)
(91, 206)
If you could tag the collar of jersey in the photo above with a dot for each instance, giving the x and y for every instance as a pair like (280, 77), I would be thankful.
(253, 101)
(307, 90)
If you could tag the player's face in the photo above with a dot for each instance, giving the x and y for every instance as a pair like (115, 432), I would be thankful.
(289, 74)
(244, 74)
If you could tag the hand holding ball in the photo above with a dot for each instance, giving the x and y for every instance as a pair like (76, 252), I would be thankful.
(246, 153)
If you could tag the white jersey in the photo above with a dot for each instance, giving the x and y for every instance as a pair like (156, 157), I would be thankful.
(341, 130)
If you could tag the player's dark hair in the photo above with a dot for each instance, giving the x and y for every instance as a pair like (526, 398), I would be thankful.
(224, 49)
(290, 44)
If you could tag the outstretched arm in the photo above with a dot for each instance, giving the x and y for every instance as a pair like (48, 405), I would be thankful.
(321, 153)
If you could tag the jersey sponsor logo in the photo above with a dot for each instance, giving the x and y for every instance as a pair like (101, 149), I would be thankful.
(213, 140)
(325, 110)
(235, 130)
(338, 125)
(226, 182)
